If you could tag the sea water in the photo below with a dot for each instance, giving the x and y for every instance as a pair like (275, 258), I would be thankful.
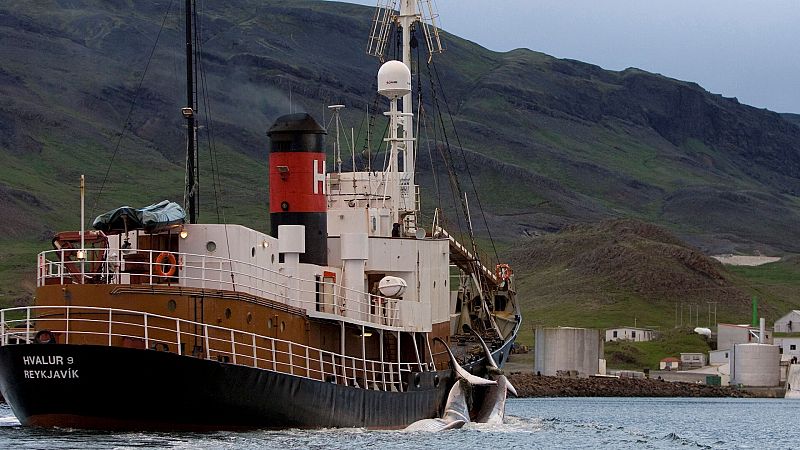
(530, 423)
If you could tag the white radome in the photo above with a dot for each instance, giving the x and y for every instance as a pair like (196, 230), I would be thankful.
(394, 79)
(703, 331)
(392, 287)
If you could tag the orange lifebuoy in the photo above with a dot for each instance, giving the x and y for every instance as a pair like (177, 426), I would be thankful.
(166, 259)
(503, 271)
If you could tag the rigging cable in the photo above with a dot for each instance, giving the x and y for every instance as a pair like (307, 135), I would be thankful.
(447, 159)
(466, 164)
(212, 148)
(422, 117)
(130, 110)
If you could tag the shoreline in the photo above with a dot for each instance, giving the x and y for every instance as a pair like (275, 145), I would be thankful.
(529, 385)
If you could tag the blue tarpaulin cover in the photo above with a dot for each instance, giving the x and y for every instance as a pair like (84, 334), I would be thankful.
(152, 219)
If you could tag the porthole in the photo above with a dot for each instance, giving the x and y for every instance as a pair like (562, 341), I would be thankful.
(417, 380)
(253, 252)
(445, 283)
(211, 246)
(273, 258)
(436, 381)
(249, 317)
(434, 285)
(227, 313)
(269, 324)
(283, 326)
(171, 305)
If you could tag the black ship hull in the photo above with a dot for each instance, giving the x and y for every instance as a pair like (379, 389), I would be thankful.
(98, 387)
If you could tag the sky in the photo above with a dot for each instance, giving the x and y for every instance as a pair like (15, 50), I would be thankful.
(748, 49)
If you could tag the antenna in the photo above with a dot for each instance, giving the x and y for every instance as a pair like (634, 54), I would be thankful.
(337, 149)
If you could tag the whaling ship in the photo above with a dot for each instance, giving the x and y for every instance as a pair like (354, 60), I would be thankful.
(151, 321)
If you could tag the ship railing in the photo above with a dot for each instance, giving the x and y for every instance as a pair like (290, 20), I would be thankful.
(212, 272)
(112, 327)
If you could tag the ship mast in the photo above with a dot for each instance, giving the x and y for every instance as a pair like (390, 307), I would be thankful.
(405, 203)
(400, 173)
(190, 195)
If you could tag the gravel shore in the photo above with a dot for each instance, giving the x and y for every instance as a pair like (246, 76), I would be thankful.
(530, 385)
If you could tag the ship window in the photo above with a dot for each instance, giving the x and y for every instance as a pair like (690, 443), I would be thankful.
(269, 324)
(253, 252)
(434, 284)
(249, 317)
(171, 305)
(793, 347)
(211, 246)
(283, 326)
(227, 313)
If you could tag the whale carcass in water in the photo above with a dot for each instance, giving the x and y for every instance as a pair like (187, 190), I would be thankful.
(456, 410)
(493, 408)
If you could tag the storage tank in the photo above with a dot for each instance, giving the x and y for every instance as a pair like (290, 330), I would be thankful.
(566, 349)
(755, 365)
(297, 185)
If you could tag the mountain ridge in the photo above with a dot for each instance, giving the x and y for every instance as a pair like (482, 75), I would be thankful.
(582, 143)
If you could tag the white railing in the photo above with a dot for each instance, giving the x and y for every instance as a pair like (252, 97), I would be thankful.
(126, 328)
(210, 272)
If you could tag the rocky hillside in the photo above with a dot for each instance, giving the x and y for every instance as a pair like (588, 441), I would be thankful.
(549, 142)
(626, 272)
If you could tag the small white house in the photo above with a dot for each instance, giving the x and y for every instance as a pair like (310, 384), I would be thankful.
(692, 360)
(669, 363)
(790, 323)
(630, 334)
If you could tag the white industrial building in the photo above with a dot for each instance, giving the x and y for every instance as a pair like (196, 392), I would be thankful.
(630, 334)
(565, 349)
(790, 323)
(730, 334)
(756, 365)
(789, 347)
(719, 357)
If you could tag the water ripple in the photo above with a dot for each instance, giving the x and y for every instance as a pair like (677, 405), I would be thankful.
(530, 423)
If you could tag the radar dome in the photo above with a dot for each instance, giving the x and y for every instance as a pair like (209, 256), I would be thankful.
(394, 79)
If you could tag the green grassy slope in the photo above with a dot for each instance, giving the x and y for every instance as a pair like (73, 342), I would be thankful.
(626, 272)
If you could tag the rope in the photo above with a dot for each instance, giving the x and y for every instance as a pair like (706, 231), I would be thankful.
(466, 165)
(212, 148)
